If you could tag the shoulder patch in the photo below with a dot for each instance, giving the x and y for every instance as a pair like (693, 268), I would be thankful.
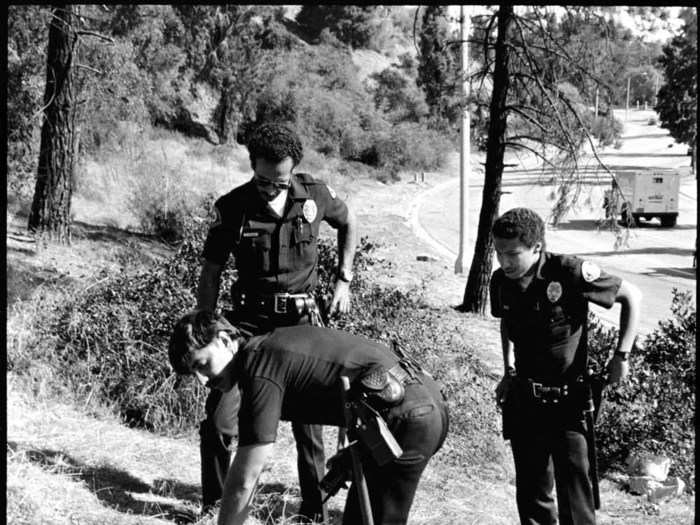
(589, 271)
(331, 191)
(215, 217)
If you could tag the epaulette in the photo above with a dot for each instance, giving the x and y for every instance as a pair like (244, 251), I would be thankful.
(307, 179)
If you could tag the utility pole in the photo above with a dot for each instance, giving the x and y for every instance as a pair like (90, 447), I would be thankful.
(596, 101)
(464, 166)
(656, 89)
(627, 103)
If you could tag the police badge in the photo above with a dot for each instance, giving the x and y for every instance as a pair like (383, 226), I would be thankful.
(309, 210)
(554, 291)
(589, 271)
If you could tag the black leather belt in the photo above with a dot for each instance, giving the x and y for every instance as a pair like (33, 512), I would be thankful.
(546, 394)
(278, 303)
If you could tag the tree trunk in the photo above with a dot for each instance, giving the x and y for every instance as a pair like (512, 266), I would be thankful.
(50, 214)
(477, 289)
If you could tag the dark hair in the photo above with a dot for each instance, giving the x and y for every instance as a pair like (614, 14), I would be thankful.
(274, 142)
(521, 223)
(195, 330)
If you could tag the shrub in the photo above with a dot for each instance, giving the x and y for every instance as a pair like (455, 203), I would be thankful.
(413, 147)
(607, 129)
(654, 410)
(160, 200)
(108, 343)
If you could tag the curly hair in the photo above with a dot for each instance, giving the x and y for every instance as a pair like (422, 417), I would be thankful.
(195, 330)
(521, 223)
(274, 142)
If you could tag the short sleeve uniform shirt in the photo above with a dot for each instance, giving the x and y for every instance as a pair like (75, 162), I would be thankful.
(293, 374)
(547, 322)
(272, 253)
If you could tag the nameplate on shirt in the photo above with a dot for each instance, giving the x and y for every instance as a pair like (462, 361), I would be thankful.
(248, 234)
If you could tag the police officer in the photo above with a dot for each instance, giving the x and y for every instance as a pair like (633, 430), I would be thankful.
(282, 373)
(271, 225)
(542, 301)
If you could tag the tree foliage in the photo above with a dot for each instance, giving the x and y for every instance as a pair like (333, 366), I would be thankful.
(396, 94)
(438, 65)
(26, 68)
(353, 25)
(678, 97)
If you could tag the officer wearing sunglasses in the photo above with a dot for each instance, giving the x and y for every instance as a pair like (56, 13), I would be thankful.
(271, 225)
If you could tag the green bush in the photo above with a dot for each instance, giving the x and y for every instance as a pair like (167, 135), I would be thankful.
(655, 409)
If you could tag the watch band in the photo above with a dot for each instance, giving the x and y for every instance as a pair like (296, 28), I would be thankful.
(622, 355)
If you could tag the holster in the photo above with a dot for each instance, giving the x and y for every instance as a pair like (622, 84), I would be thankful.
(381, 387)
(374, 434)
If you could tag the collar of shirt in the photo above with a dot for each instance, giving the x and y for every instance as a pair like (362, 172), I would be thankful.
(279, 203)
(544, 256)
(297, 191)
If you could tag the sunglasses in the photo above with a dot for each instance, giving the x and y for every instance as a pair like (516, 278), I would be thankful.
(264, 183)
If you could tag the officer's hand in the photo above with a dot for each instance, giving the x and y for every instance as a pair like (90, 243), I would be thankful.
(618, 370)
(502, 389)
(341, 298)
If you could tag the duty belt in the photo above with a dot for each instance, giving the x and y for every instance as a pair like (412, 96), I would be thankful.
(278, 303)
(546, 394)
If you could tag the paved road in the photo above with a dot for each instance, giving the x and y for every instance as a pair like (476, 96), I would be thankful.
(655, 259)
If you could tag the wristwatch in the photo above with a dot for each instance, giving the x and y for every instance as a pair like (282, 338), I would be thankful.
(345, 275)
(622, 355)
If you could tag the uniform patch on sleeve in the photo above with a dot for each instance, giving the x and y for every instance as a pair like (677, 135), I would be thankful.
(589, 271)
(554, 291)
(331, 191)
(215, 217)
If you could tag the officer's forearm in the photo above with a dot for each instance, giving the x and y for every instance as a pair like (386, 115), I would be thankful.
(507, 346)
(347, 242)
(208, 286)
(629, 297)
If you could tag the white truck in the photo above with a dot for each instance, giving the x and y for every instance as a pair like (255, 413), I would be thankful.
(645, 194)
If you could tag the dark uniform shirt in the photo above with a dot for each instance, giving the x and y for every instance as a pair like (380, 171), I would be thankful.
(272, 253)
(293, 374)
(547, 322)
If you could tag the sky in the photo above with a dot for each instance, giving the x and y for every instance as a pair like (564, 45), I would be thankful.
(625, 18)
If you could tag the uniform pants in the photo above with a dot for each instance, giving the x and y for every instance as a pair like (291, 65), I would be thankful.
(221, 425)
(543, 458)
(419, 424)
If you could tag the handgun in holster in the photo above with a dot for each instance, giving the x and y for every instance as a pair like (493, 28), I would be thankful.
(371, 437)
